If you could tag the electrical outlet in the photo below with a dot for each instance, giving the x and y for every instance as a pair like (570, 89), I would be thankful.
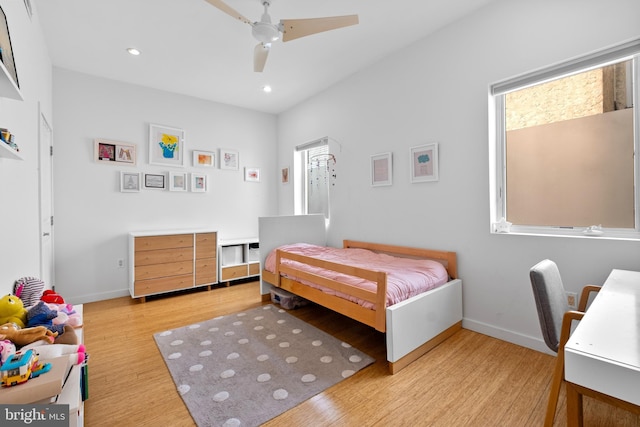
(571, 299)
(120, 263)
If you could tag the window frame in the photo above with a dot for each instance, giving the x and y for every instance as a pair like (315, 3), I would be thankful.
(301, 177)
(629, 50)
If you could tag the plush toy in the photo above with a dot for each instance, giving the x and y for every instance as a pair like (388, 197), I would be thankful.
(77, 353)
(12, 311)
(52, 297)
(67, 315)
(41, 315)
(29, 290)
(26, 336)
(7, 348)
(68, 336)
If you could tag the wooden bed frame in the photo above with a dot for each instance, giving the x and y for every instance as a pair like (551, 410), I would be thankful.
(412, 327)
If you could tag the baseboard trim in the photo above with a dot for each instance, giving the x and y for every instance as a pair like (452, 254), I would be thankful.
(507, 335)
(83, 299)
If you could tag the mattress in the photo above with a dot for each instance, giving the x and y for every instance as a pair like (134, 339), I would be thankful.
(406, 277)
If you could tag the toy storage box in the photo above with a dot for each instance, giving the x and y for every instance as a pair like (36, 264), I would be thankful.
(286, 299)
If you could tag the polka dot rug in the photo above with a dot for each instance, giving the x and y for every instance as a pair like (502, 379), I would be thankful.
(245, 368)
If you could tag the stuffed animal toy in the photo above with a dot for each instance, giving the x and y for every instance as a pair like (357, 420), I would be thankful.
(67, 315)
(12, 311)
(29, 290)
(7, 348)
(52, 297)
(68, 336)
(26, 336)
(77, 353)
(41, 315)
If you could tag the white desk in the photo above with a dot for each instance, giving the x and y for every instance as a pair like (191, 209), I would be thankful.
(602, 356)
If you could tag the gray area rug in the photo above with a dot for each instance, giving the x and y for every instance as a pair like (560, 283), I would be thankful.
(245, 368)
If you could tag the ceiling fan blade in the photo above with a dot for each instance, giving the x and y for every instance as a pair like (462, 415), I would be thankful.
(296, 28)
(229, 10)
(260, 54)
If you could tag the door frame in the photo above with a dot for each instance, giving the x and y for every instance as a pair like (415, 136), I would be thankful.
(45, 184)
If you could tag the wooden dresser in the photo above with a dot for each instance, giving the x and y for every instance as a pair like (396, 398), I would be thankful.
(167, 261)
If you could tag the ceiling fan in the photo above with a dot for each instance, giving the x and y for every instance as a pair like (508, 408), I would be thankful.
(287, 29)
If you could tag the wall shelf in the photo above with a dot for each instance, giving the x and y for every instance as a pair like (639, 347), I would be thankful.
(8, 88)
(8, 152)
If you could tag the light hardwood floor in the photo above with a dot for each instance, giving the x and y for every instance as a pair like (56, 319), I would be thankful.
(469, 380)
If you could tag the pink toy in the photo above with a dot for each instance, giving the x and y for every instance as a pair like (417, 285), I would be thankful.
(66, 315)
(77, 353)
(7, 348)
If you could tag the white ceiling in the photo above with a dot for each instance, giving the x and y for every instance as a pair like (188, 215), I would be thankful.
(192, 48)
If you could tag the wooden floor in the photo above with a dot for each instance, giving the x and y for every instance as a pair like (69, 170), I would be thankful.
(469, 380)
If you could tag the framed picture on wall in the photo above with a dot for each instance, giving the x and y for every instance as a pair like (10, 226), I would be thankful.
(252, 174)
(204, 158)
(229, 159)
(130, 182)
(424, 163)
(166, 146)
(6, 52)
(285, 175)
(154, 181)
(177, 181)
(114, 152)
(198, 182)
(381, 170)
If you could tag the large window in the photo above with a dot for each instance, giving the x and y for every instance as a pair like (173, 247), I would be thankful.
(564, 141)
(313, 175)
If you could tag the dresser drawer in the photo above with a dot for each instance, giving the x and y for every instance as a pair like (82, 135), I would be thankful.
(164, 270)
(230, 273)
(162, 256)
(150, 243)
(206, 245)
(254, 269)
(164, 284)
(206, 271)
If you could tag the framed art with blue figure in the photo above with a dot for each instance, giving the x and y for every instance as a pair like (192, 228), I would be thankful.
(166, 146)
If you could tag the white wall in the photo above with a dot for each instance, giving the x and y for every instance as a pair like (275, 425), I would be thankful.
(93, 217)
(437, 90)
(19, 203)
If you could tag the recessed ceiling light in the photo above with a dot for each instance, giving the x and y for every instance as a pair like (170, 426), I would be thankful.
(133, 51)
(266, 88)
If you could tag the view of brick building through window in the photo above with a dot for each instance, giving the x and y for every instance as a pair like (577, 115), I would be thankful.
(569, 151)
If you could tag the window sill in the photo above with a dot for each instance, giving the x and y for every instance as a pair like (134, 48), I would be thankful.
(576, 233)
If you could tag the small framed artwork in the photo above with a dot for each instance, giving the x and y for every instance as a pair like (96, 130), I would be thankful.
(252, 174)
(114, 152)
(229, 159)
(177, 181)
(204, 158)
(381, 169)
(154, 181)
(198, 182)
(130, 182)
(6, 52)
(424, 163)
(285, 175)
(166, 146)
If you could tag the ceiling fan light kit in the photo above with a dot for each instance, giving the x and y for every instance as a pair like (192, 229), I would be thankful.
(290, 29)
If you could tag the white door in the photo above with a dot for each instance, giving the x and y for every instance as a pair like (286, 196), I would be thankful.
(45, 169)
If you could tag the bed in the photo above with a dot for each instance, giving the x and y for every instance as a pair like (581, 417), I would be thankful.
(412, 327)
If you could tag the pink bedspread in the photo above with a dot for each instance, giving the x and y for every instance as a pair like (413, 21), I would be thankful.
(405, 277)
